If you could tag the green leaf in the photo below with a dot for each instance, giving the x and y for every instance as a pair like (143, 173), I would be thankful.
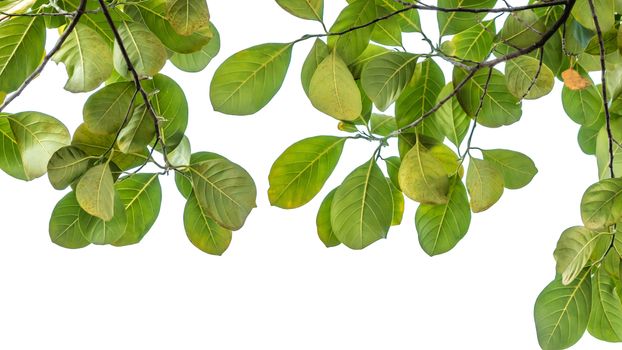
(602, 149)
(322, 221)
(224, 190)
(183, 179)
(197, 61)
(522, 29)
(408, 20)
(141, 196)
(610, 43)
(499, 106)
(455, 22)
(318, 53)
(187, 16)
(87, 58)
(10, 158)
(606, 315)
(145, 50)
(573, 251)
(37, 136)
(601, 205)
(97, 21)
(95, 192)
(361, 212)
(204, 232)
(171, 106)
(180, 155)
(382, 125)
(98, 231)
(387, 32)
(484, 183)
(422, 177)
(352, 44)
(153, 14)
(475, 43)
(587, 139)
(451, 118)
(371, 52)
(605, 10)
(393, 168)
(22, 41)
(138, 132)
(518, 169)
(67, 165)
(333, 90)
(105, 111)
(385, 77)
(527, 78)
(64, 229)
(419, 98)
(562, 312)
(398, 204)
(305, 9)
(300, 172)
(249, 79)
(582, 106)
(442, 226)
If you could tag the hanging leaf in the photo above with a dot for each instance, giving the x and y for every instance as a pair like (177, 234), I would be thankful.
(305, 9)
(249, 79)
(385, 77)
(574, 248)
(517, 169)
(387, 32)
(582, 106)
(475, 43)
(10, 158)
(455, 22)
(87, 58)
(422, 177)
(484, 183)
(362, 207)
(601, 205)
(527, 78)
(300, 172)
(22, 41)
(98, 231)
(408, 20)
(352, 44)
(204, 232)
(145, 50)
(451, 118)
(606, 315)
(442, 226)
(64, 228)
(324, 227)
(67, 165)
(333, 90)
(95, 192)
(171, 107)
(105, 111)
(141, 196)
(522, 29)
(138, 132)
(605, 10)
(197, 61)
(318, 53)
(187, 16)
(562, 312)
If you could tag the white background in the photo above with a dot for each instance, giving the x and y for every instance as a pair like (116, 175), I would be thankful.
(277, 287)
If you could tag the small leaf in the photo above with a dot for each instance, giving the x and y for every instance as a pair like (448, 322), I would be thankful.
(66, 166)
(518, 169)
(324, 226)
(382, 125)
(562, 312)
(333, 90)
(361, 212)
(95, 192)
(249, 79)
(484, 183)
(305, 9)
(64, 228)
(475, 43)
(204, 232)
(301, 171)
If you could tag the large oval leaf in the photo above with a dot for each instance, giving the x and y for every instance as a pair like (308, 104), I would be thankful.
(350, 45)
(562, 312)
(105, 111)
(95, 192)
(38, 137)
(484, 183)
(224, 190)
(186, 16)
(528, 79)
(318, 53)
(87, 58)
(145, 50)
(362, 208)
(385, 77)
(604, 9)
(301, 171)
(141, 196)
(64, 228)
(422, 177)
(573, 251)
(203, 231)
(475, 43)
(601, 205)
(249, 79)
(606, 315)
(518, 169)
(67, 165)
(582, 106)
(333, 90)
(22, 41)
(98, 231)
(442, 226)
(171, 106)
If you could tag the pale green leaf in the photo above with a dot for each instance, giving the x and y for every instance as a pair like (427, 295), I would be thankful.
(451, 118)
(352, 44)
(455, 22)
(484, 183)
(95, 192)
(67, 165)
(98, 231)
(204, 232)
(64, 229)
(385, 77)
(527, 78)
(105, 111)
(606, 315)
(422, 177)
(305, 9)
(518, 169)
(22, 41)
(601, 205)
(323, 223)
(318, 53)
(187, 16)
(573, 251)
(145, 50)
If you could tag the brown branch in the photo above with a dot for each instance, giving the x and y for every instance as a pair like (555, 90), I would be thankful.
(603, 71)
(61, 40)
(136, 78)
